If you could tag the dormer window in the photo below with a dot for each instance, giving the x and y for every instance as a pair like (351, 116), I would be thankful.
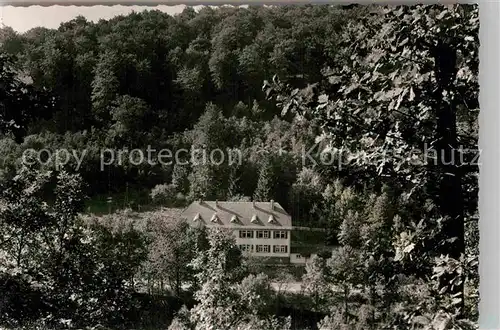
(215, 218)
(234, 219)
(197, 217)
(271, 219)
(254, 219)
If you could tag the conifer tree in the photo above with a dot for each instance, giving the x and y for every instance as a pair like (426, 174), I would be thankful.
(263, 192)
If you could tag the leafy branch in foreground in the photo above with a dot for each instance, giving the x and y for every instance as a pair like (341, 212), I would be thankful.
(405, 80)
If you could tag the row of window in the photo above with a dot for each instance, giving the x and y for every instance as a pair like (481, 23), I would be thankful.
(264, 248)
(279, 234)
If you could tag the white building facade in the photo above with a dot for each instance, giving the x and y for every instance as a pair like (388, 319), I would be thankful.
(261, 229)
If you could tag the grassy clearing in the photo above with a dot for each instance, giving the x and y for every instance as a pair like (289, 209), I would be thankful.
(135, 199)
(307, 238)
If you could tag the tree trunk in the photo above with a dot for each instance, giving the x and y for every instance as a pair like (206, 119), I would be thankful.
(346, 304)
(177, 283)
(373, 304)
(20, 249)
(450, 198)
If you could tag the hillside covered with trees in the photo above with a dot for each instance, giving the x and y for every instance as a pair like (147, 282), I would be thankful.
(358, 119)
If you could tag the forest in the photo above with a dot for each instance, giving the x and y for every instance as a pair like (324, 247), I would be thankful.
(395, 88)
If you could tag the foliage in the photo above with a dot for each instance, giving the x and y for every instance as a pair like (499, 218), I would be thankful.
(227, 299)
(167, 195)
(397, 86)
(369, 97)
(72, 271)
(171, 251)
(20, 103)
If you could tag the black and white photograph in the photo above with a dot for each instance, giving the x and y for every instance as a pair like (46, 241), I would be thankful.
(239, 167)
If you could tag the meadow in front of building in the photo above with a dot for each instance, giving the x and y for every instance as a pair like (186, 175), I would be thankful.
(339, 214)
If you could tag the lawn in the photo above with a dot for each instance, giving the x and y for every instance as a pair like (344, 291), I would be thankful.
(302, 237)
(135, 199)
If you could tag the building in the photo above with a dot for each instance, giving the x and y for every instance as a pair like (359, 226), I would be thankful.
(261, 229)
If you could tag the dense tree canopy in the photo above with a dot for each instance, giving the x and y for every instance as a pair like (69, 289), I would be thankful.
(361, 120)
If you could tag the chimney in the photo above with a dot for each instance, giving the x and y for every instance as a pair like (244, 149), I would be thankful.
(200, 201)
(272, 204)
(253, 204)
(216, 203)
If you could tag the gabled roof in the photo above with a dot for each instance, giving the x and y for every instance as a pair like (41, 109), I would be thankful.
(239, 214)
